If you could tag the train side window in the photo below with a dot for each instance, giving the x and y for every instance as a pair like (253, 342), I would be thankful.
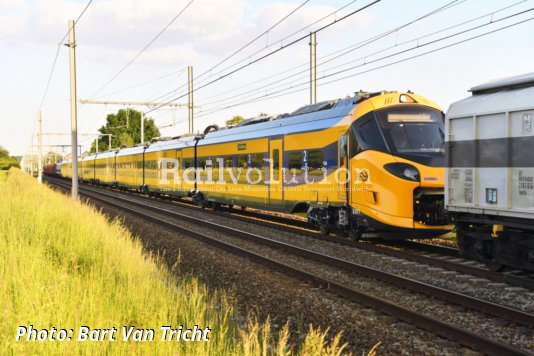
(187, 162)
(201, 162)
(229, 162)
(242, 162)
(295, 161)
(256, 160)
(315, 162)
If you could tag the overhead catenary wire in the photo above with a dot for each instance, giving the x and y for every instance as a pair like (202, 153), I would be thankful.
(143, 49)
(271, 53)
(254, 39)
(321, 63)
(198, 79)
(57, 55)
(178, 72)
(377, 37)
(275, 42)
(282, 83)
(285, 91)
(54, 62)
(268, 46)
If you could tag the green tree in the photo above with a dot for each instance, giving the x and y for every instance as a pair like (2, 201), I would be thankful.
(235, 120)
(7, 161)
(125, 128)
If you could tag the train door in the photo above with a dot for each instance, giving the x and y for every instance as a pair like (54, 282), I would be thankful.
(275, 173)
(342, 175)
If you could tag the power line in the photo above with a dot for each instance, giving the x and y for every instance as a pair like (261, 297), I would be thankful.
(285, 93)
(365, 42)
(243, 47)
(143, 83)
(379, 51)
(275, 51)
(360, 43)
(279, 41)
(54, 62)
(272, 44)
(56, 56)
(255, 39)
(142, 50)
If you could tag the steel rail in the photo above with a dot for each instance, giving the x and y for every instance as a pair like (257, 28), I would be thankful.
(510, 279)
(437, 292)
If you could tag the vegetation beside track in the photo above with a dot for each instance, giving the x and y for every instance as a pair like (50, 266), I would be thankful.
(64, 266)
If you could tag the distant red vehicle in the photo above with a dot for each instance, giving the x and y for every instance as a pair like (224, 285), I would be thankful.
(50, 169)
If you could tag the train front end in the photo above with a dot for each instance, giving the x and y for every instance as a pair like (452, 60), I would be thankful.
(397, 158)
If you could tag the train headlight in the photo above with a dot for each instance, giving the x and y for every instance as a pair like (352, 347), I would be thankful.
(404, 171)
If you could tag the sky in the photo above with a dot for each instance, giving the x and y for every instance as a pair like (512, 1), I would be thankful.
(390, 45)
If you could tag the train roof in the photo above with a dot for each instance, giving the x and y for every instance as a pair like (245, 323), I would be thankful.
(182, 142)
(307, 118)
(89, 157)
(513, 82)
(130, 151)
(106, 154)
(505, 95)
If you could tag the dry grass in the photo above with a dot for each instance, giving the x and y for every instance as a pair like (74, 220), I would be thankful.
(64, 266)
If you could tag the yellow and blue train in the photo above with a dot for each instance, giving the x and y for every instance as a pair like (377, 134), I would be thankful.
(373, 162)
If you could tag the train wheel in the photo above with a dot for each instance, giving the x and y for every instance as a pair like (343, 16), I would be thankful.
(198, 199)
(355, 235)
(494, 266)
(324, 229)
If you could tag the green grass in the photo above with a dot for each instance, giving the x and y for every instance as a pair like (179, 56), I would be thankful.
(3, 175)
(64, 265)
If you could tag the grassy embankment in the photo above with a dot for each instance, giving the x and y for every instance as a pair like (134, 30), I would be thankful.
(64, 266)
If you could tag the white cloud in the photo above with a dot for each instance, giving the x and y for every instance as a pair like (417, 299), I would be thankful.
(118, 29)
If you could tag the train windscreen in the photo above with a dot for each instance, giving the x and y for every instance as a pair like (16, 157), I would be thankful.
(412, 130)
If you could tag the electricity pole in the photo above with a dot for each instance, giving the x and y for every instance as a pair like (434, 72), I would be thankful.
(313, 68)
(73, 110)
(190, 104)
(40, 163)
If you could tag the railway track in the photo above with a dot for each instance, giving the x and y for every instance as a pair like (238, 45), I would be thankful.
(449, 331)
(423, 253)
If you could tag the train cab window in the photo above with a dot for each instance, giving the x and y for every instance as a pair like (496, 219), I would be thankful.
(353, 144)
(368, 134)
(412, 129)
(343, 151)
